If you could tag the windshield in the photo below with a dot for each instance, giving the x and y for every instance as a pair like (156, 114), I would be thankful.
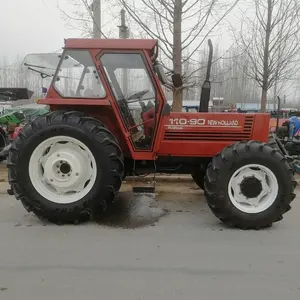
(78, 77)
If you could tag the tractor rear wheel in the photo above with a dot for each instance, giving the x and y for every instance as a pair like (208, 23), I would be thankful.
(249, 185)
(65, 167)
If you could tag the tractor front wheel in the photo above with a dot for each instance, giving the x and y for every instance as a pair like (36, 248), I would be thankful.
(249, 185)
(198, 178)
(65, 167)
(198, 175)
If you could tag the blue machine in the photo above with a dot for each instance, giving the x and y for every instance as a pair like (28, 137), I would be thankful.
(294, 136)
(294, 128)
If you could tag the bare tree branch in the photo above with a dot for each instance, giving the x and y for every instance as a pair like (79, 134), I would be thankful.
(271, 43)
(179, 25)
(80, 17)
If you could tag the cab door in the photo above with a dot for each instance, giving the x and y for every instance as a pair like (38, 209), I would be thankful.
(130, 80)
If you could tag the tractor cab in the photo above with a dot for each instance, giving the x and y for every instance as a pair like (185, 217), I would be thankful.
(119, 75)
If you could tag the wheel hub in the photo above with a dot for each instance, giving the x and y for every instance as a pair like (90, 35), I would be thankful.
(64, 168)
(251, 187)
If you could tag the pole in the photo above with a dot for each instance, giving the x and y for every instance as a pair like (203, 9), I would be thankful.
(278, 63)
(96, 9)
(124, 34)
(123, 29)
(278, 112)
(205, 92)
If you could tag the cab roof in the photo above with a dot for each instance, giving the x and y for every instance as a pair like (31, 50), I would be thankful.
(119, 44)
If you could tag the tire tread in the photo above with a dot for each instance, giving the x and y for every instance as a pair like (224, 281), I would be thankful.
(216, 197)
(83, 211)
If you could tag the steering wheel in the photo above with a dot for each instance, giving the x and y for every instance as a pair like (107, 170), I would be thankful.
(137, 96)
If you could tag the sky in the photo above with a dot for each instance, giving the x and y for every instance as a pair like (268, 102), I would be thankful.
(34, 26)
(37, 26)
(31, 26)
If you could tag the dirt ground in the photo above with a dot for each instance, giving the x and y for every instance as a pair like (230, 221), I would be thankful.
(169, 247)
(180, 254)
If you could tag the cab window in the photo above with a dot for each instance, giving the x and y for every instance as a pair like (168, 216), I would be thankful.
(134, 93)
(78, 77)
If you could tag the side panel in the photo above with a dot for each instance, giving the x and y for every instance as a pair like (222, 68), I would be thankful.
(261, 127)
(206, 134)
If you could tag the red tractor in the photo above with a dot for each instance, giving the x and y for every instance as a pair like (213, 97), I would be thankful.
(69, 164)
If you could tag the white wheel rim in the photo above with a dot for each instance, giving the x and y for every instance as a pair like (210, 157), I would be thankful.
(268, 187)
(62, 169)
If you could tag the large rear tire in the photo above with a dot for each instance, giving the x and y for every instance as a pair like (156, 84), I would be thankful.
(65, 167)
(249, 185)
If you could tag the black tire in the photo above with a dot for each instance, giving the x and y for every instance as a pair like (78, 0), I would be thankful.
(4, 142)
(4, 153)
(231, 159)
(96, 137)
(198, 176)
(272, 142)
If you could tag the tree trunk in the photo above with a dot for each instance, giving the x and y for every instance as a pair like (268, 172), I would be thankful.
(266, 73)
(177, 57)
(263, 100)
(177, 101)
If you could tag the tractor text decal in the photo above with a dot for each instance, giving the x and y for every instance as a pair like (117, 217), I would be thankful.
(183, 122)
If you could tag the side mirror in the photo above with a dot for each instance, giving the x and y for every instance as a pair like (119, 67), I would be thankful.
(160, 73)
(177, 80)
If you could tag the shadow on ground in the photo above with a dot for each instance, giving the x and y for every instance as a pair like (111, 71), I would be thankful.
(133, 211)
